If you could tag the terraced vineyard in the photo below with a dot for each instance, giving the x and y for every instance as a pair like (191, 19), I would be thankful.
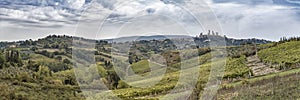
(282, 61)
(258, 67)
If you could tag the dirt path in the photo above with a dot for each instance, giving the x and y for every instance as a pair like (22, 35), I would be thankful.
(258, 67)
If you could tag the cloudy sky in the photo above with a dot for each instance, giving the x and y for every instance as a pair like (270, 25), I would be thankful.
(33, 19)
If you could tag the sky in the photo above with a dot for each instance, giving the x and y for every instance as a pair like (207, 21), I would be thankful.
(102, 19)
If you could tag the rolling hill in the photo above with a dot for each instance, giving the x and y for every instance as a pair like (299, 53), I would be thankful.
(45, 67)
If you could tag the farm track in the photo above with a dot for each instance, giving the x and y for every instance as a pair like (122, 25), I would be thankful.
(258, 67)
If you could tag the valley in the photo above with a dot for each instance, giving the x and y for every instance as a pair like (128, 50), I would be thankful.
(251, 69)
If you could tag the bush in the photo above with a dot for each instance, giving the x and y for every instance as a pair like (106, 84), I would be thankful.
(46, 53)
(44, 72)
(24, 77)
(245, 81)
(122, 84)
(56, 82)
(8, 92)
(66, 61)
(58, 66)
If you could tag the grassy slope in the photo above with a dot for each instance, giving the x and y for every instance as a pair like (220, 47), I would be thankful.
(168, 82)
(288, 52)
(20, 83)
(282, 85)
(170, 79)
(236, 67)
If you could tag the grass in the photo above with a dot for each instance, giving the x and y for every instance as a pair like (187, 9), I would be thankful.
(255, 79)
(20, 83)
(283, 85)
(41, 58)
(288, 52)
(168, 82)
(50, 50)
(236, 67)
(141, 67)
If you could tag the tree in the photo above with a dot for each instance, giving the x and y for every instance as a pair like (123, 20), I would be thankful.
(2, 61)
(59, 58)
(44, 72)
(32, 66)
(66, 61)
(13, 57)
(112, 79)
(107, 64)
(34, 48)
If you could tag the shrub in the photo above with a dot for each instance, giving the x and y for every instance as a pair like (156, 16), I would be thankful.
(66, 61)
(56, 82)
(44, 72)
(122, 84)
(24, 77)
(245, 81)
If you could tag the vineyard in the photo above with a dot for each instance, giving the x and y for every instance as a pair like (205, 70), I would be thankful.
(46, 68)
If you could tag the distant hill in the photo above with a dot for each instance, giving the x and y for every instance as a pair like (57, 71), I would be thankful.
(154, 37)
(200, 41)
(205, 40)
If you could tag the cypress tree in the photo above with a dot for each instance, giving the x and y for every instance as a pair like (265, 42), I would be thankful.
(2, 61)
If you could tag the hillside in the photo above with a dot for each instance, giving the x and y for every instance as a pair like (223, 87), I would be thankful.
(45, 67)
(283, 57)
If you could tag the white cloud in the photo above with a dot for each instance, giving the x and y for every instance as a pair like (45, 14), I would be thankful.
(240, 19)
(75, 4)
(260, 21)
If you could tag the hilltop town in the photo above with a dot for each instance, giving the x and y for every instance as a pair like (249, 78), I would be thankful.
(210, 33)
